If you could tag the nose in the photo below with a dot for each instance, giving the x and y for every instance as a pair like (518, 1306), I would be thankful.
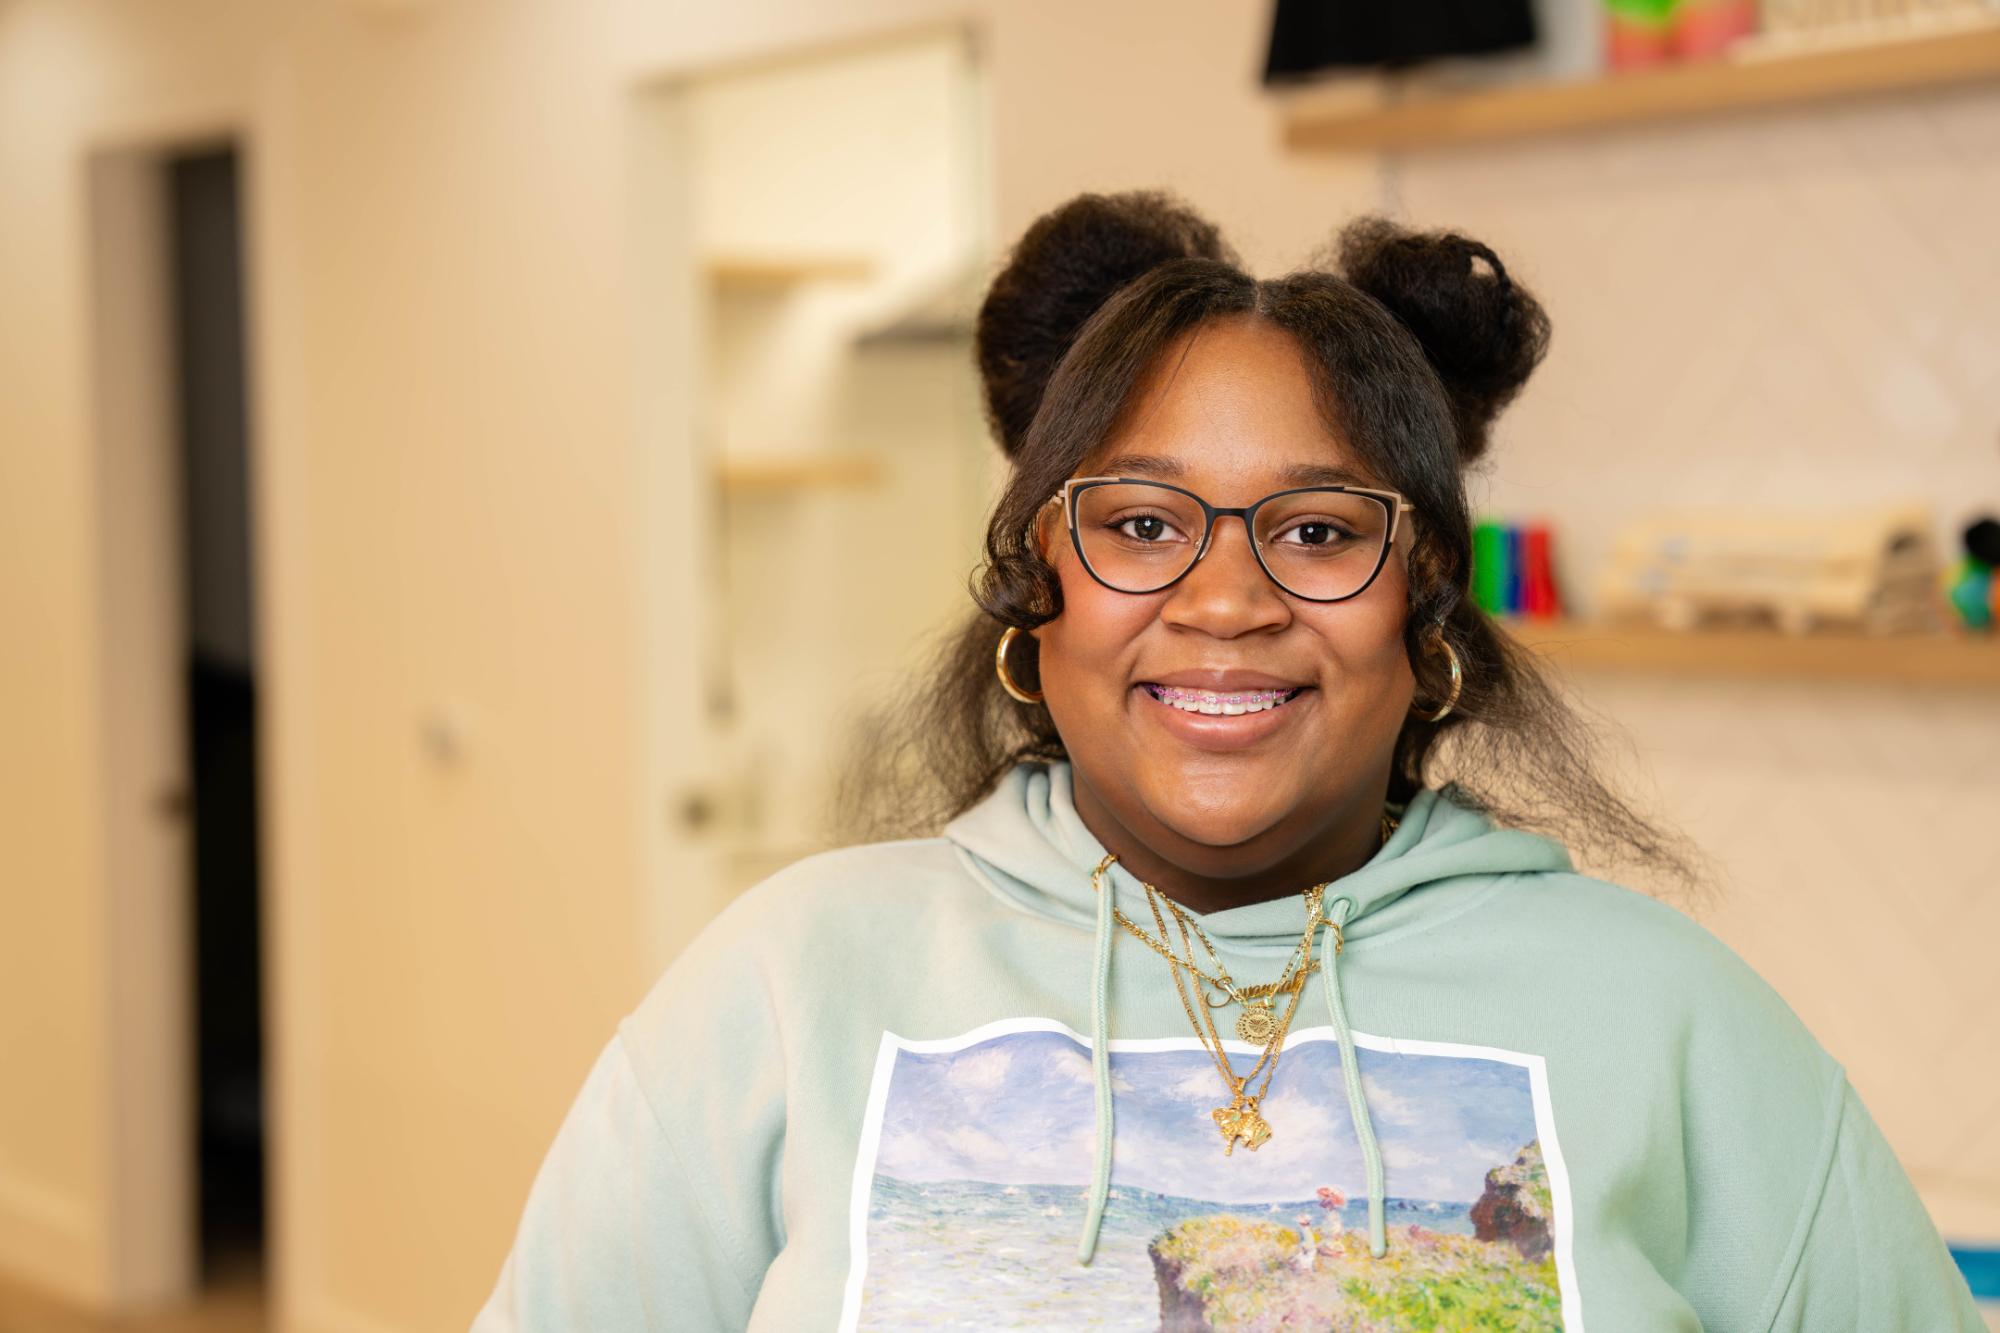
(1227, 593)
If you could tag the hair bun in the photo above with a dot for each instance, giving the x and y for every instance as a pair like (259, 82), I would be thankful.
(1066, 265)
(1482, 332)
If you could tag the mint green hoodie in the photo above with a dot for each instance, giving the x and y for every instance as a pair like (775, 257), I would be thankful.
(932, 1084)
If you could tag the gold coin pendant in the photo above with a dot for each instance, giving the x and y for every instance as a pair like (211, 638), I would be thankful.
(1255, 1023)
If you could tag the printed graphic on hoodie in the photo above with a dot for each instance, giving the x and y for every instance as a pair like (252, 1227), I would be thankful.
(976, 1158)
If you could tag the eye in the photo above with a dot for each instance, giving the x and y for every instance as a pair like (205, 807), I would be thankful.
(1314, 532)
(1145, 529)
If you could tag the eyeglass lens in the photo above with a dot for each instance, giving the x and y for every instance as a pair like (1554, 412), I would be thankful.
(1318, 544)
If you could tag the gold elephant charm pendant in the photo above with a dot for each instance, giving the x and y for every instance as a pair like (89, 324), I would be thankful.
(1241, 1121)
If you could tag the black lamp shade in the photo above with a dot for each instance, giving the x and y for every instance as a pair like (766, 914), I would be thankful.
(1308, 36)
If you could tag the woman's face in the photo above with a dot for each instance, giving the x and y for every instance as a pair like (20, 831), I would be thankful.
(1230, 415)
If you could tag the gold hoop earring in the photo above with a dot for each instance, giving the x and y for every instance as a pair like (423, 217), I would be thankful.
(1000, 669)
(1457, 679)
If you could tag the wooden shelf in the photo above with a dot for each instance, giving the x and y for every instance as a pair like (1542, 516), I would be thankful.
(763, 273)
(1905, 659)
(1350, 119)
(777, 476)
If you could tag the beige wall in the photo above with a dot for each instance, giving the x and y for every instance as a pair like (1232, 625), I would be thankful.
(444, 224)
(445, 522)
(1104, 96)
(71, 79)
(454, 512)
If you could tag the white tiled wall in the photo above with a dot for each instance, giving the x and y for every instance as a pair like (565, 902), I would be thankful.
(1778, 309)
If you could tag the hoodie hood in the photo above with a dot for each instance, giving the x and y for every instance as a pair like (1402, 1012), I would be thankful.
(1028, 842)
(1036, 851)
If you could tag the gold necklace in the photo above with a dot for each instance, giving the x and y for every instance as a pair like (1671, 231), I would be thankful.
(1243, 1118)
(1254, 1024)
(1256, 1021)
(1221, 980)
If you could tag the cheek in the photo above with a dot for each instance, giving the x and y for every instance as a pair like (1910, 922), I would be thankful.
(1385, 608)
(1085, 651)
(1364, 638)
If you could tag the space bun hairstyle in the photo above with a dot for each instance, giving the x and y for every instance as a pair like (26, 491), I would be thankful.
(1064, 267)
(1482, 334)
(1415, 340)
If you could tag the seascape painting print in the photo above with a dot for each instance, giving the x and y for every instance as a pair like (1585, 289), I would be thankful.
(975, 1163)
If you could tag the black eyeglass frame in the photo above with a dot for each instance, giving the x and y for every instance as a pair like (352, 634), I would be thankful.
(1393, 501)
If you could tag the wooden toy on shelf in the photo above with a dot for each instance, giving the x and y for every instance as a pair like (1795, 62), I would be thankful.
(1873, 570)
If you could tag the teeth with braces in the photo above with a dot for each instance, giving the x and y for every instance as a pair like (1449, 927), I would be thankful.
(1213, 704)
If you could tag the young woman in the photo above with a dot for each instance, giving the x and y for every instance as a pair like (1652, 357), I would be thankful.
(1204, 947)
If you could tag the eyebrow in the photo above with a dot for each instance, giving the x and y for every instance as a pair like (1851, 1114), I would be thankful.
(1172, 469)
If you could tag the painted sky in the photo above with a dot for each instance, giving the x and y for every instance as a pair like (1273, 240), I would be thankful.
(1016, 1109)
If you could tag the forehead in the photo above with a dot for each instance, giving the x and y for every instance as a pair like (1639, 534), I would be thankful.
(1230, 408)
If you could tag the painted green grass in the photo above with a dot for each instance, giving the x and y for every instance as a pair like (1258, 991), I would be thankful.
(1250, 1274)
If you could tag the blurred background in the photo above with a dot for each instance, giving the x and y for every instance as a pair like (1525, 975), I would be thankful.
(410, 411)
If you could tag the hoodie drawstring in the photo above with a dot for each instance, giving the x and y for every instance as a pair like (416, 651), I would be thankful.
(1100, 1066)
(1350, 1069)
(1100, 1069)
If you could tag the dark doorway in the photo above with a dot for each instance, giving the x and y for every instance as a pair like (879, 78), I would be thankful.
(205, 218)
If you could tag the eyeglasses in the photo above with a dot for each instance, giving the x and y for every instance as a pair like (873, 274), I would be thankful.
(1318, 543)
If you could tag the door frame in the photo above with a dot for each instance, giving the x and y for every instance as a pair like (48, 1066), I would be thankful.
(148, 1220)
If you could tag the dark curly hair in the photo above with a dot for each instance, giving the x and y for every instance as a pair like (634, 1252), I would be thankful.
(1415, 340)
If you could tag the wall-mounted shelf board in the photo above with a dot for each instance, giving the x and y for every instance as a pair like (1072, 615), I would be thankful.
(1336, 119)
(780, 475)
(754, 272)
(1749, 653)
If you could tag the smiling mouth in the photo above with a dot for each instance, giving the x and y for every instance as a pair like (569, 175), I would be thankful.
(1223, 704)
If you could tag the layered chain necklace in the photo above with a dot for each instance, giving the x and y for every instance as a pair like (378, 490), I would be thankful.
(1259, 1023)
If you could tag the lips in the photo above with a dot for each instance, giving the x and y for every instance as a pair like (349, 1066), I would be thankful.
(1217, 690)
(1241, 713)
(1219, 681)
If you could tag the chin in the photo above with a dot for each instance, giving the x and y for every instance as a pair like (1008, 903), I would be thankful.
(1216, 810)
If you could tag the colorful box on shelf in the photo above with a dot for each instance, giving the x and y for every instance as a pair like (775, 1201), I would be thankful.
(1980, 1265)
(1641, 33)
(1972, 586)
(1513, 572)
